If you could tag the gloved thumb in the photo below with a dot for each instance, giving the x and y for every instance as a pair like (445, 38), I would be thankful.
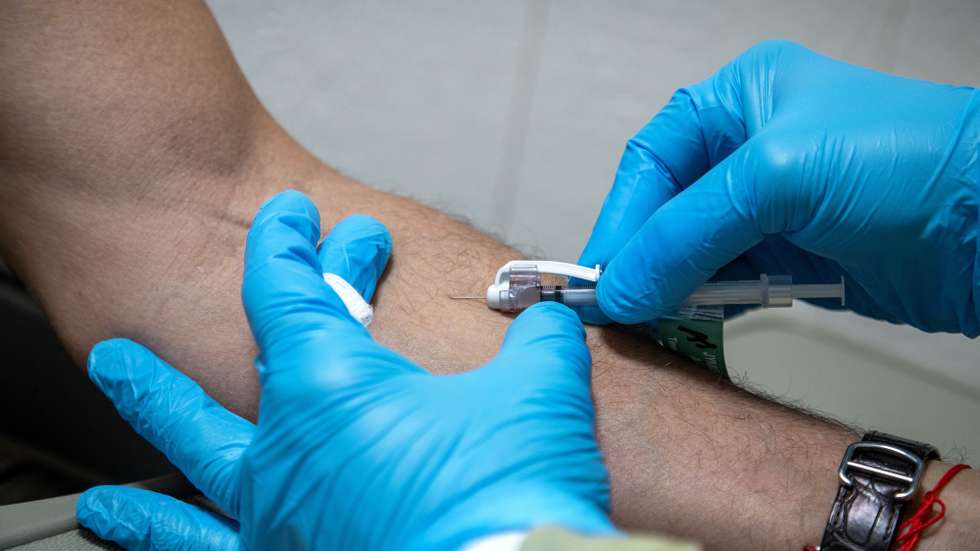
(688, 239)
(547, 343)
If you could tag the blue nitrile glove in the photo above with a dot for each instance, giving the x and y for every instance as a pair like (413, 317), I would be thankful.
(788, 162)
(356, 447)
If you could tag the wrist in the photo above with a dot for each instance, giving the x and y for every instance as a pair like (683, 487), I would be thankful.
(960, 493)
(962, 499)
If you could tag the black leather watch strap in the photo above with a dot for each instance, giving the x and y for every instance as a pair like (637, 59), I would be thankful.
(877, 476)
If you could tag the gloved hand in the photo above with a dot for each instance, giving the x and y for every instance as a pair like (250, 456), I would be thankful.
(356, 447)
(788, 162)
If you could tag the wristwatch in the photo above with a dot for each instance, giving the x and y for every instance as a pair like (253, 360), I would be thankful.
(878, 475)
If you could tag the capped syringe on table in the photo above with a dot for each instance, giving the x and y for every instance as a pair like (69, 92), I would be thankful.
(522, 283)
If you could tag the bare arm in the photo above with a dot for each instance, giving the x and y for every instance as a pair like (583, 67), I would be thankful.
(133, 154)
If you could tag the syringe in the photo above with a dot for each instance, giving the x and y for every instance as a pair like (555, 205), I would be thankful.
(521, 283)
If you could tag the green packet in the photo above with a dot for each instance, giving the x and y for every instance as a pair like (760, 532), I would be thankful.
(696, 332)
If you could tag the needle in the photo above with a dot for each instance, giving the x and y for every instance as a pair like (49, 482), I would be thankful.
(469, 298)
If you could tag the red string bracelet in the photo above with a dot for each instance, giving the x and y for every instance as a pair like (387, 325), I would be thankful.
(910, 531)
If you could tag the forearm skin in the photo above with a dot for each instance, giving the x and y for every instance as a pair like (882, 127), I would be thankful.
(126, 193)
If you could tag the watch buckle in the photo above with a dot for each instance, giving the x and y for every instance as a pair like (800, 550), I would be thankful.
(912, 482)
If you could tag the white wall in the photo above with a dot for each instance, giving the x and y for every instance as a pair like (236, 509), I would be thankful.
(531, 103)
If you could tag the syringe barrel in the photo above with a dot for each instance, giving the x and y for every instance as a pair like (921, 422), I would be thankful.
(768, 292)
(726, 292)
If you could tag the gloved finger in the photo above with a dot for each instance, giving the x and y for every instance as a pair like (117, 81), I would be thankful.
(696, 129)
(357, 249)
(546, 342)
(283, 291)
(140, 519)
(685, 242)
(200, 437)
